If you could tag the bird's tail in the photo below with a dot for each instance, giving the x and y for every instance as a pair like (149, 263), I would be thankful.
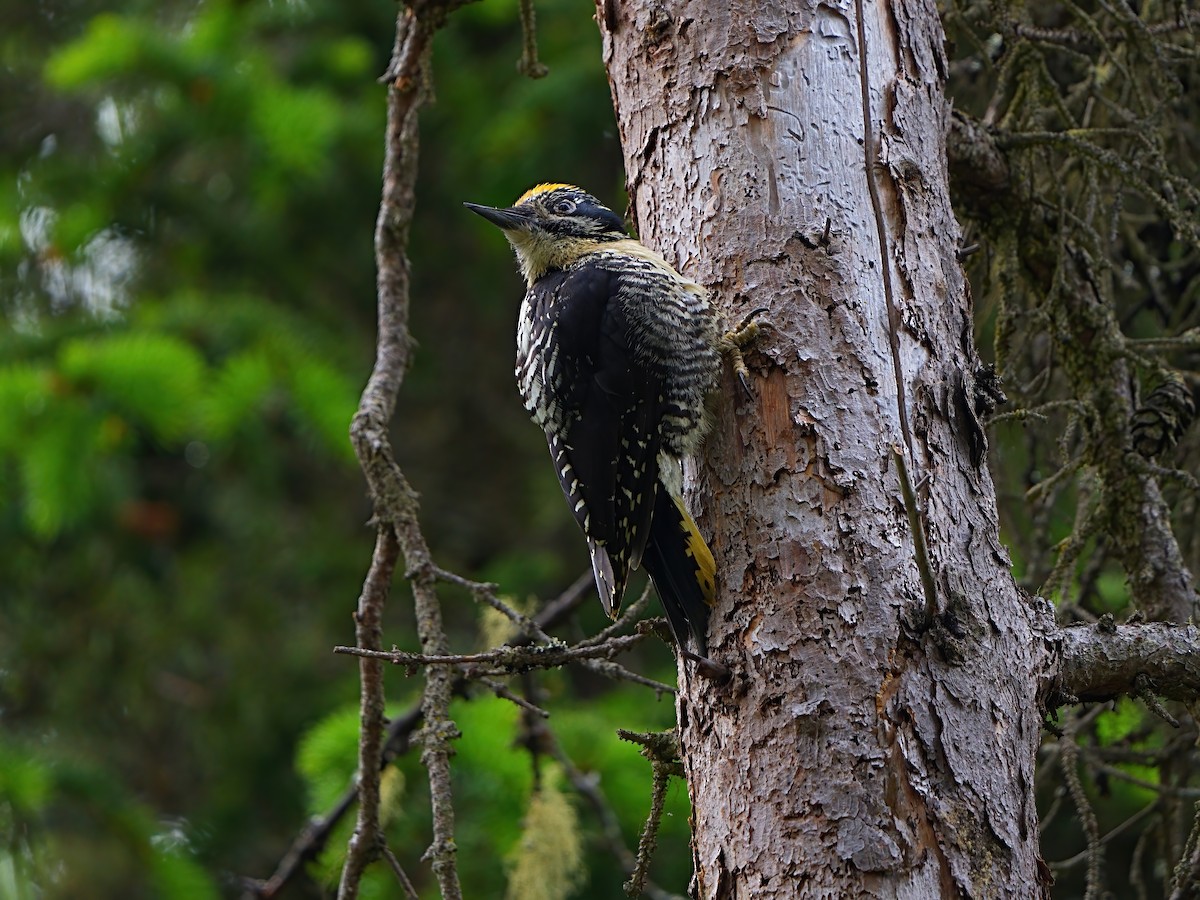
(683, 570)
(610, 580)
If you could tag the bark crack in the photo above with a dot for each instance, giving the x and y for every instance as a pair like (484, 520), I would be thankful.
(908, 802)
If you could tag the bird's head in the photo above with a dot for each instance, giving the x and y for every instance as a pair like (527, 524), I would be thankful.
(552, 225)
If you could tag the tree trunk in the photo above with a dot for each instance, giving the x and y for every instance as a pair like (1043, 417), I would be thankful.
(876, 739)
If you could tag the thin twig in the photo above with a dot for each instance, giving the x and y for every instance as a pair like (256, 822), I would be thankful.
(916, 524)
(366, 841)
(1088, 854)
(504, 660)
(648, 842)
(1185, 881)
(661, 748)
(1145, 690)
(501, 690)
(1069, 760)
(528, 64)
(485, 592)
(1136, 875)
(393, 500)
(410, 892)
(1189, 340)
(630, 614)
(618, 672)
(540, 739)
(1157, 787)
(588, 787)
(312, 839)
(1045, 821)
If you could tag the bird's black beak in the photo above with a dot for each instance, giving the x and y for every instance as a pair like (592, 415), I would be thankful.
(510, 219)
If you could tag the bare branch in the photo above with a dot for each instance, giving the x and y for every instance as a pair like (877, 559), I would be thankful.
(1186, 879)
(500, 689)
(505, 660)
(618, 672)
(1145, 691)
(1086, 855)
(394, 501)
(1103, 661)
(629, 615)
(410, 892)
(528, 64)
(367, 841)
(588, 786)
(662, 749)
(485, 592)
(311, 841)
(648, 842)
(1083, 807)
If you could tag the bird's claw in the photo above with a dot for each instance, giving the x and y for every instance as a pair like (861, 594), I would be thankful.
(744, 381)
(738, 338)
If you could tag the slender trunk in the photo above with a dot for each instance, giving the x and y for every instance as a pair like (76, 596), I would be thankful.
(874, 741)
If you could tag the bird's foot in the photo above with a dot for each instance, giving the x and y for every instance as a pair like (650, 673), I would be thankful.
(738, 338)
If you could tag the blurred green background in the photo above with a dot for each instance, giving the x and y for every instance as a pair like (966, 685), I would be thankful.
(187, 197)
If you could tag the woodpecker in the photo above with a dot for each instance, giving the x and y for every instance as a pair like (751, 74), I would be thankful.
(617, 354)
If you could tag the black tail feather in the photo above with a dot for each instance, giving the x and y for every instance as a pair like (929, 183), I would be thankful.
(683, 571)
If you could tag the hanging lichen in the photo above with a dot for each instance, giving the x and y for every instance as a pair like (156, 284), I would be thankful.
(547, 863)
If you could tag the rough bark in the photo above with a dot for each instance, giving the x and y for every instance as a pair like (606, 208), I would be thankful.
(863, 747)
(1100, 662)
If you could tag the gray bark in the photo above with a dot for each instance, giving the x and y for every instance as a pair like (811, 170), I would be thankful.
(1100, 662)
(863, 747)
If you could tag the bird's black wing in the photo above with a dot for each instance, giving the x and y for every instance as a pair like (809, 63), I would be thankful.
(606, 451)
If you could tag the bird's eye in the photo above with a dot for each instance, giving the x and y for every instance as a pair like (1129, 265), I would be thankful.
(564, 207)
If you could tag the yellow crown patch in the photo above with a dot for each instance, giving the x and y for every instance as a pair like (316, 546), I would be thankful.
(539, 189)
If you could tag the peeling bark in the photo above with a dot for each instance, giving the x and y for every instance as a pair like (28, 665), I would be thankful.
(861, 749)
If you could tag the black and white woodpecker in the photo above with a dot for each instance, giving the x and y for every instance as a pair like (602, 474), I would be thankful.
(617, 354)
